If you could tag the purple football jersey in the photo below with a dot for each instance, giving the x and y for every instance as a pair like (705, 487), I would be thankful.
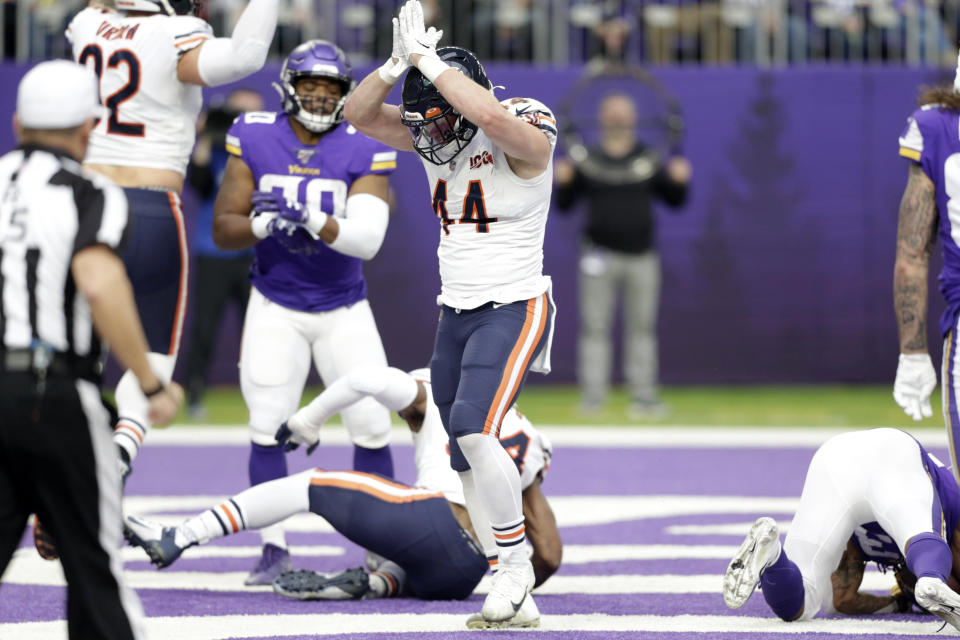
(932, 139)
(321, 177)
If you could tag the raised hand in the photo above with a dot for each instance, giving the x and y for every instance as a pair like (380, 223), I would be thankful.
(415, 37)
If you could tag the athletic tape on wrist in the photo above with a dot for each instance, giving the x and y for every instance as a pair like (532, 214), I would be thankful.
(431, 68)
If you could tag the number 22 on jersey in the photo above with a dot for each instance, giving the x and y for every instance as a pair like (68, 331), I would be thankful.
(474, 207)
(121, 57)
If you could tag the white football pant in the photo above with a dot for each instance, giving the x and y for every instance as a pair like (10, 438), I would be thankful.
(853, 479)
(275, 354)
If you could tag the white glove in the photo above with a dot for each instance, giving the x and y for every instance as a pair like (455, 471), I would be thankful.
(397, 64)
(915, 381)
(295, 431)
(414, 36)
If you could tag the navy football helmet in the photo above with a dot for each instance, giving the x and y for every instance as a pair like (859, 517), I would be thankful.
(439, 131)
(315, 59)
(169, 7)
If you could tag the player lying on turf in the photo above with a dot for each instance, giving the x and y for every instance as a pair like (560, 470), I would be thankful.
(869, 496)
(423, 531)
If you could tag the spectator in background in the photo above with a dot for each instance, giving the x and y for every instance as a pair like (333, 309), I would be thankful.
(221, 276)
(294, 25)
(619, 254)
(613, 33)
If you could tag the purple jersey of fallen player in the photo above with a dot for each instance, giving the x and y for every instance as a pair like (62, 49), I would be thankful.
(319, 176)
(931, 139)
(878, 546)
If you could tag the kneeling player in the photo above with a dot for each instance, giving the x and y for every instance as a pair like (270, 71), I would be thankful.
(428, 547)
(869, 496)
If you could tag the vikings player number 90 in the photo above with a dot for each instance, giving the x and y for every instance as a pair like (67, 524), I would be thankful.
(323, 194)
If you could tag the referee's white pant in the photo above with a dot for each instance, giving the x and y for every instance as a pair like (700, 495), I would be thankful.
(57, 459)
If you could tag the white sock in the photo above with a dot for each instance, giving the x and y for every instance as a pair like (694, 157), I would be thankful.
(388, 580)
(497, 484)
(274, 534)
(133, 407)
(258, 507)
(479, 519)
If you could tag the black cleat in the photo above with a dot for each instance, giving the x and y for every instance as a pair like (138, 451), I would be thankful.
(156, 540)
(305, 584)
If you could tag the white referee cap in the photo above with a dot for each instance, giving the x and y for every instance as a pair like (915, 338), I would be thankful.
(58, 94)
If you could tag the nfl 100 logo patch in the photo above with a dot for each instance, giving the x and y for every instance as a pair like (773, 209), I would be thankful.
(304, 155)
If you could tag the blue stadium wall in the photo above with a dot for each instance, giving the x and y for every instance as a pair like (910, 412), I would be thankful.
(777, 270)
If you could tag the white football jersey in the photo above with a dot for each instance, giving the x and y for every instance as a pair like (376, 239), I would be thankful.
(492, 222)
(153, 116)
(530, 449)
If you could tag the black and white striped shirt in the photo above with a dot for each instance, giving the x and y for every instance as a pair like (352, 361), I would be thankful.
(49, 211)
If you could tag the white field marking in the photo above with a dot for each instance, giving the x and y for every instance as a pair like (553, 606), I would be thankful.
(571, 511)
(31, 569)
(575, 511)
(300, 523)
(333, 624)
(739, 529)
(135, 554)
(630, 436)
(587, 553)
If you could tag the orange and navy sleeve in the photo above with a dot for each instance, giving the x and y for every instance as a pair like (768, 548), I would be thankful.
(536, 113)
(188, 32)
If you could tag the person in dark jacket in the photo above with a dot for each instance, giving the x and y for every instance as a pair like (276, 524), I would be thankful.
(619, 253)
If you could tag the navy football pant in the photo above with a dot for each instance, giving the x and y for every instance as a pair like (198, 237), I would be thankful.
(156, 259)
(413, 527)
(480, 361)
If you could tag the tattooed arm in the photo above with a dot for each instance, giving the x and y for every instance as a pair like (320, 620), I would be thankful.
(846, 582)
(916, 235)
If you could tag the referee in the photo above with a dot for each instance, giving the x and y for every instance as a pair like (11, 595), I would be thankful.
(60, 279)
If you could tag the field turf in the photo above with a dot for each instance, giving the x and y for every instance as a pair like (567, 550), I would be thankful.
(813, 406)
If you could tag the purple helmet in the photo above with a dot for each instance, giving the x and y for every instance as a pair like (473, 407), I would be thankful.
(314, 59)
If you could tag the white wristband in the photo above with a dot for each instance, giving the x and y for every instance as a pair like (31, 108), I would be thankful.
(387, 71)
(316, 221)
(431, 68)
(258, 225)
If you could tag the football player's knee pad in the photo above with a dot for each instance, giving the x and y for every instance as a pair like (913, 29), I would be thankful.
(263, 433)
(473, 445)
(368, 423)
(269, 407)
(131, 402)
(260, 366)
